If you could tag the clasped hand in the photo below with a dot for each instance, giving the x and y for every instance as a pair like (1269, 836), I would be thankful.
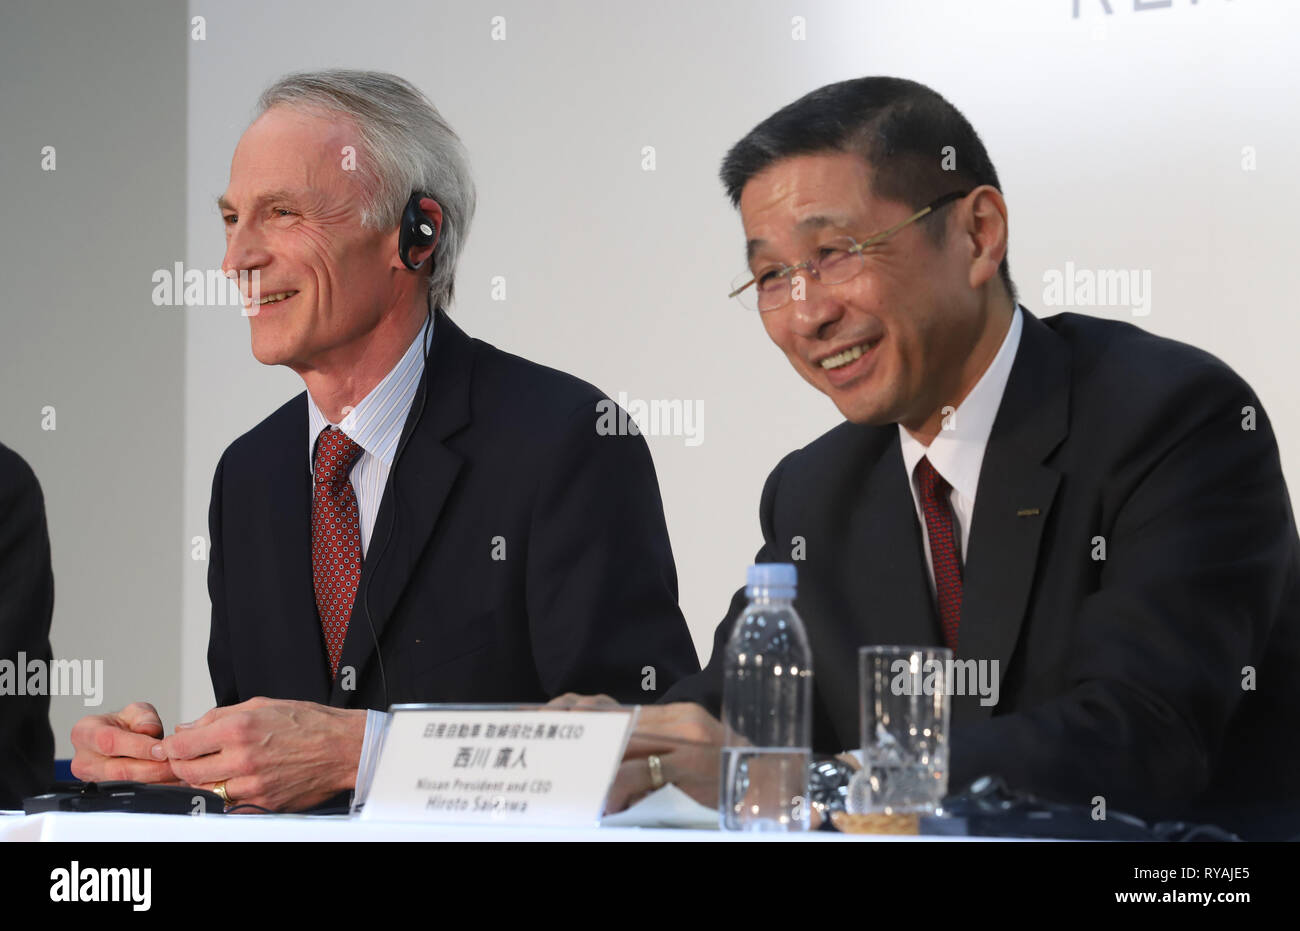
(271, 753)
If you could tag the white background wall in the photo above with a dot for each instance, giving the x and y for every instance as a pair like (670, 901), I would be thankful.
(80, 335)
(1118, 139)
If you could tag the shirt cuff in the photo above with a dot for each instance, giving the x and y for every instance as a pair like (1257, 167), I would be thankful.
(376, 721)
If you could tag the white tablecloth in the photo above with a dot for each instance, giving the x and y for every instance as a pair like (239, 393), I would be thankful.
(118, 826)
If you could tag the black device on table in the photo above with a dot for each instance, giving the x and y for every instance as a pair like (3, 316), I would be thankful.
(127, 796)
(988, 808)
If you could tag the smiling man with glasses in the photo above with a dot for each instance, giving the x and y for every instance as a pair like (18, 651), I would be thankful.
(1073, 502)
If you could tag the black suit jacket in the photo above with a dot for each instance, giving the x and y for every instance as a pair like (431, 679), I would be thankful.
(1120, 678)
(506, 460)
(26, 607)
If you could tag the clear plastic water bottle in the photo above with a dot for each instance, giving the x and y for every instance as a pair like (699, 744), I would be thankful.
(767, 709)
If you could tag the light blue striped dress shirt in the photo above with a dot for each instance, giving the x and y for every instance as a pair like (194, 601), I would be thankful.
(375, 424)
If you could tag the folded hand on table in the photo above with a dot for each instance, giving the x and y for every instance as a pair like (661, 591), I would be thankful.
(272, 753)
(686, 739)
(120, 747)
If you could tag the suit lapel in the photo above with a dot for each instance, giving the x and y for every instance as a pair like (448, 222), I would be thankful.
(881, 571)
(1013, 503)
(889, 583)
(418, 485)
(288, 563)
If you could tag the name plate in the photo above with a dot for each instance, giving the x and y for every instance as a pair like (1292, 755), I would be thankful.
(497, 764)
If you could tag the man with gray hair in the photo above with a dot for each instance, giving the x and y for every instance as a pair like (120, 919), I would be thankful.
(432, 520)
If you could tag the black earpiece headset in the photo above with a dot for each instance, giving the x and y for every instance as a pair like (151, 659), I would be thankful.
(416, 230)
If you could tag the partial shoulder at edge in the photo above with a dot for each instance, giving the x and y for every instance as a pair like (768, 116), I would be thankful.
(16, 476)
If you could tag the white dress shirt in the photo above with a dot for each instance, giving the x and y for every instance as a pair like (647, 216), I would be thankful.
(957, 453)
(375, 424)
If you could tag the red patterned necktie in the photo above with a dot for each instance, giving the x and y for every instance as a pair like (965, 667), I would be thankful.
(335, 538)
(943, 548)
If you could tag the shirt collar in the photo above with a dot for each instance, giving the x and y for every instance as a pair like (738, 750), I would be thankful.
(375, 424)
(957, 453)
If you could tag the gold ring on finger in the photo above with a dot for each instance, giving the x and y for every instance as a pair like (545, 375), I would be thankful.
(656, 770)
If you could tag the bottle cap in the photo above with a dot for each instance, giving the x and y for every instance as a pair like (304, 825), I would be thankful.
(776, 578)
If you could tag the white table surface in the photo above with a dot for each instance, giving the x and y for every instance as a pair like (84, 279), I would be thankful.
(120, 826)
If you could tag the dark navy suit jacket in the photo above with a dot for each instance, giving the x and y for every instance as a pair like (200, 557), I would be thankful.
(1163, 678)
(505, 461)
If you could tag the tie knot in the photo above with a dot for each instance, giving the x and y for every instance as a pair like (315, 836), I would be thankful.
(934, 487)
(335, 454)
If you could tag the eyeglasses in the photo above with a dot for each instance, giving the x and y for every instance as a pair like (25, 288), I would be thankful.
(835, 263)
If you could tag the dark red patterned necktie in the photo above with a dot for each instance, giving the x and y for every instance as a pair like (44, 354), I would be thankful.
(335, 538)
(943, 548)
